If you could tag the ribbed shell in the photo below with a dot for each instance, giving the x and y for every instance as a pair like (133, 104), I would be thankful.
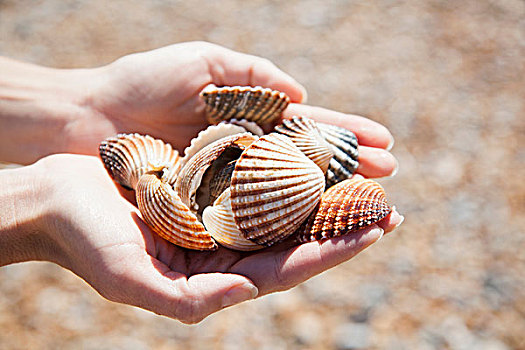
(246, 124)
(191, 175)
(257, 104)
(218, 220)
(307, 137)
(128, 156)
(348, 206)
(211, 134)
(345, 161)
(165, 213)
(273, 190)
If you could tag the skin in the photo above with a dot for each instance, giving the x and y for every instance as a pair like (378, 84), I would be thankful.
(65, 209)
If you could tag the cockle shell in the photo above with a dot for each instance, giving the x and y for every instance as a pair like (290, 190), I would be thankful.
(274, 188)
(218, 220)
(128, 156)
(246, 124)
(164, 212)
(257, 104)
(348, 206)
(211, 134)
(345, 161)
(212, 158)
(307, 137)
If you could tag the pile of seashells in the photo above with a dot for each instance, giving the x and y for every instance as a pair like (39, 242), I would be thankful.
(242, 189)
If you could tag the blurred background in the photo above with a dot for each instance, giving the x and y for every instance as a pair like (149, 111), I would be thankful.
(447, 78)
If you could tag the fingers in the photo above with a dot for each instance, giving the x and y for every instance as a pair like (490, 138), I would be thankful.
(376, 162)
(141, 280)
(392, 221)
(229, 67)
(283, 270)
(368, 132)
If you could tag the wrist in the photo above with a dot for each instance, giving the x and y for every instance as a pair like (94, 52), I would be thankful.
(22, 211)
(42, 108)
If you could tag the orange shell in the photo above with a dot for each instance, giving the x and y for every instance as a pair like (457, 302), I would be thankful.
(346, 207)
(256, 104)
(164, 212)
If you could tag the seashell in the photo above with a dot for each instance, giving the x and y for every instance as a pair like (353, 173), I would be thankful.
(307, 137)
(210, 134)
(274, 188)
(197, 173)
(163, 210)
(247, 125)
(128, 156)
(221, 180)
(346, 207)
(218, 220)
(257, 104)
(345, 161)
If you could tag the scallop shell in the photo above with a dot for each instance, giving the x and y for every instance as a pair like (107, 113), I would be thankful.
(210, 134)
(307, 137)
(218, 220)
(257, 104)
(128, 156)
(192, 175)
(274, 188)
(345, 161)
(164, 212)
(348, 206)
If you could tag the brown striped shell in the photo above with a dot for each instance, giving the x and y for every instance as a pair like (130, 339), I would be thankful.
(128, 156)
(307, 137)
(257, 104)
(346, 207)
(274, 188)
(198, 171)
(346, 157)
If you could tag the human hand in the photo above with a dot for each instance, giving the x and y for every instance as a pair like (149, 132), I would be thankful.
(45, 111)
(157, 93)
(79, 220)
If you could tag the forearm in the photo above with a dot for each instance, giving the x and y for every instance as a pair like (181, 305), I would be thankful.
(38, 106)
(22, 209)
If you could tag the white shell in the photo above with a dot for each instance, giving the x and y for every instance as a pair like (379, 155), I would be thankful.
(218, 220)
(307, 137)
(211, 134)
(274, 188)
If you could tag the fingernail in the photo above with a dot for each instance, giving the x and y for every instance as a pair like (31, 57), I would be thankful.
(238, 294)
(305, 95)
(391, 144)
(381, 236)
(394, 172)
(402, 218)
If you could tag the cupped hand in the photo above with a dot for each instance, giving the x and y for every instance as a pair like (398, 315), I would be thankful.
(99, 235)
(157, 93)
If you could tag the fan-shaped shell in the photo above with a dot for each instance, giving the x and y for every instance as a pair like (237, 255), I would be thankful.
(246, 124)
(257, 104)
(345, 161)
(274, 188)
(348, 206)
(211, 134)
(307, 137)
(218, 220)
(171, 219)
(128, 156)
(191, 176)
